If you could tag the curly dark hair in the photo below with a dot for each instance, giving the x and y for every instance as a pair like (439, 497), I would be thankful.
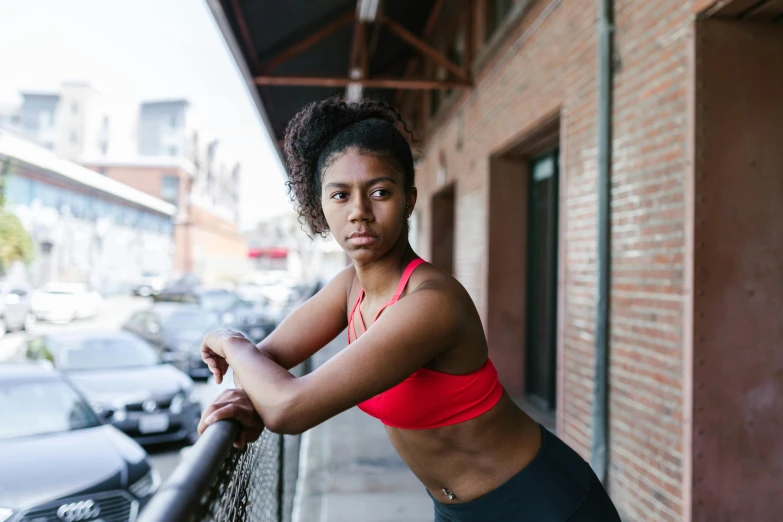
(323, 130)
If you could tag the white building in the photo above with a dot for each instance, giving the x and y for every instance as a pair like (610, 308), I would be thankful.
(85, 226)
(72, 122)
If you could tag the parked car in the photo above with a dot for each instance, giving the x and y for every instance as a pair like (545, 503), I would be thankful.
(16, 311)
(176, 330)
(255, 319)
(64, 302)
(126, 383)
(150, 283)
(59, 462)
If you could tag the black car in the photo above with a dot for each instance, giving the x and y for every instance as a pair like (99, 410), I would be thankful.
(59, 462)
(254, 319)
(176, 330)
(125, 382)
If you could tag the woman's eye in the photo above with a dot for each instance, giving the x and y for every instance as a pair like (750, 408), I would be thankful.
(339, 195)
(380, 192)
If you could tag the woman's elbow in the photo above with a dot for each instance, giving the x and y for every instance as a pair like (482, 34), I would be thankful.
(287, 416)
(284, 422)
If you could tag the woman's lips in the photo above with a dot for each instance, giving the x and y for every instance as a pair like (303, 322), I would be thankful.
(362, 240)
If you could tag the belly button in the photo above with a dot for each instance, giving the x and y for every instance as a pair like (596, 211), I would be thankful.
(449, 494)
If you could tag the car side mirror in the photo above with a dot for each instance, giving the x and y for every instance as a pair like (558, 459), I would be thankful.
(153, 328)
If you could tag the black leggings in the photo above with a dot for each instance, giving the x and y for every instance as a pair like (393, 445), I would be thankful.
(557, 486)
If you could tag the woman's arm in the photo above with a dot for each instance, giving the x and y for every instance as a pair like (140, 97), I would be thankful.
(312, 325)
(406, 337)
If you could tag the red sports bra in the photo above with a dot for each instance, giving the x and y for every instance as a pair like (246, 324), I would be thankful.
(428, 398)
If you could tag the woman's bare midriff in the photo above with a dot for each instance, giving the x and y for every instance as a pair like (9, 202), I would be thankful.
(471, 458)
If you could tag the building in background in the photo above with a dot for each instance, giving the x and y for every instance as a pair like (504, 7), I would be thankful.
(72, 122)
(508, 97)
(280, 244)
(156, 150)
(166, 128)
(173, 165)
(86, 227)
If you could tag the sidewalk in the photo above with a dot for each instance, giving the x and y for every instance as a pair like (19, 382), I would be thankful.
(349, 472)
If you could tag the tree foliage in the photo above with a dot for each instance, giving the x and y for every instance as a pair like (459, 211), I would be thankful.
(15, 241)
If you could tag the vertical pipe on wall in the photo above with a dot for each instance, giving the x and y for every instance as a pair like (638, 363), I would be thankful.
(599, 453)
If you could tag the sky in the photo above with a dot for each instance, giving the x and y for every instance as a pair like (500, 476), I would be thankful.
(133, 50)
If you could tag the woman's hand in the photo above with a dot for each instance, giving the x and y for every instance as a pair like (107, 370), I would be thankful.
(213, 351)
(234, 404)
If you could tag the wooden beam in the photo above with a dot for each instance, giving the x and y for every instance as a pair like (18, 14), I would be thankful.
(309, 41)
(372, 83)
(248, 40)
(428, 27)
(422, 46)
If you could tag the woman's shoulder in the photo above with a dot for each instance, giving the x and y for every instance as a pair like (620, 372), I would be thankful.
(429, 277)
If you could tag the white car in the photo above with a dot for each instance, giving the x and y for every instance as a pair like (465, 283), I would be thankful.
(64, 302)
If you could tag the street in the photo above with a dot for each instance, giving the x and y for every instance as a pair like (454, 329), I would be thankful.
(114, 312)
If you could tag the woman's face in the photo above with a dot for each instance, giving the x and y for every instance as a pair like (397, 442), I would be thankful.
(365, 204)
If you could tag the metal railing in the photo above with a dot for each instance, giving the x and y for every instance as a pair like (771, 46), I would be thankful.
(217, 483)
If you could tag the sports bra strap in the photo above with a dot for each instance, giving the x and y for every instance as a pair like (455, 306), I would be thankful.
(406, 275)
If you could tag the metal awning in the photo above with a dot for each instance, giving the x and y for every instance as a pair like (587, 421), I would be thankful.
(298, 51)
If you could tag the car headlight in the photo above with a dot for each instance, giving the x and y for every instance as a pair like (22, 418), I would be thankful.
(120, 414)
(228, 318)
(109, 412)
(5, 514)
(99, 408)
(146, 485)
(176, 403)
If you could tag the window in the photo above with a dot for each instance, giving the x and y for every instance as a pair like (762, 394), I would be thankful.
(169, 190)
(172, 151)
(496, 12)
(74, 108)
(74, 137)
(173, 120)
(542, 237)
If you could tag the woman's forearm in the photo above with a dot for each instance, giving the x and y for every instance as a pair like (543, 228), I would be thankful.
(270, 387)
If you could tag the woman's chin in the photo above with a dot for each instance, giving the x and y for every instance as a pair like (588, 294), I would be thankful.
(364, 254)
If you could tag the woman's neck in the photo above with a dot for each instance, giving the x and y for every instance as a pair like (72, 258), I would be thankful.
(380, 277)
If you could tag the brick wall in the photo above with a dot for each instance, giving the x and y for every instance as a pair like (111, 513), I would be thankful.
(548, 64)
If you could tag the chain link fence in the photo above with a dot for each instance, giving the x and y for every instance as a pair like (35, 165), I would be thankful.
(218, 483)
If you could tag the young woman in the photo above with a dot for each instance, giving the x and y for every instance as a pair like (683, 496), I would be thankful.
(417, 354)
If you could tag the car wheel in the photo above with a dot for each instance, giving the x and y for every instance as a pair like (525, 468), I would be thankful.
(29, 321)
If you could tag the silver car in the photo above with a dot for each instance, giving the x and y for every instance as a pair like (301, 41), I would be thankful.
(15, 307)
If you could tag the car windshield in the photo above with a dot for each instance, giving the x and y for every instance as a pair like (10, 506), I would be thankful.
(93, 353)
(188, 319)
(218, 301)
(38, 408)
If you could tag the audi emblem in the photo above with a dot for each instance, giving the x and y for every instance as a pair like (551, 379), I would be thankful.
(149, 406)
(76, 511)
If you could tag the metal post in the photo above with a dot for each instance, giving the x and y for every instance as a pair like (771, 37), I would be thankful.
(600, 456)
